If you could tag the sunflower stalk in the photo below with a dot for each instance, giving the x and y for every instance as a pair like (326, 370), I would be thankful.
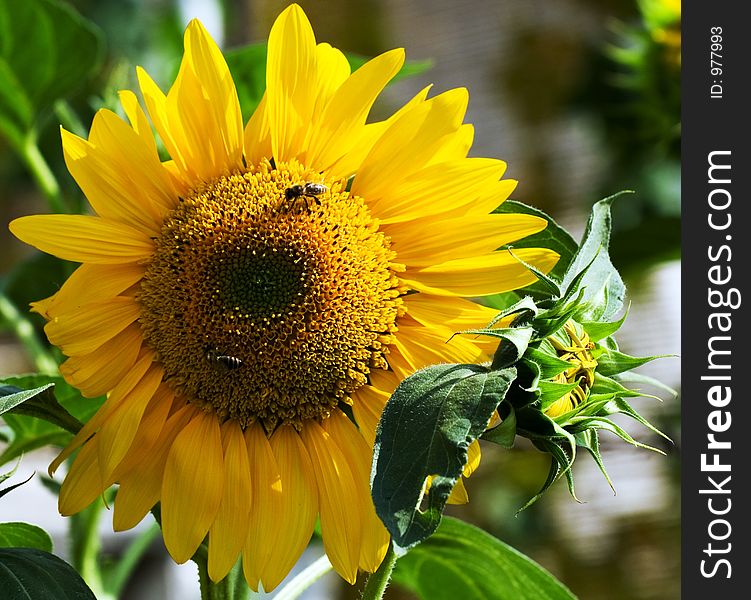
(232, 587)
(45, 179)
(377, 582)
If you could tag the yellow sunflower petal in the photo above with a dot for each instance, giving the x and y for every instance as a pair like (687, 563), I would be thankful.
(121, 390)
(120, 172)
(332, 69)
(138, 119)
(258, 135)
(408, 144)
(83, 331)
(367, 406)
(459, 494)
(266, 492)
(417, 347)
(149, 429)
(374, 539)
(341, 527)
(298, 505)
(291, 76)
(82, 238)
(90, 283)
(473, 458)
(83, 483)
(141, 488)
(450, 314)
(203, 105)
(230, 529)
(119, 431)
(481, 276)
(369, 135)
(98, 372)
(434, 189)
(428, 241)
(456, 146)
(192, 487)
(344, 117)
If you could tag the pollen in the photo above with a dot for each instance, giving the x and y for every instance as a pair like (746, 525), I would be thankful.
(269, 305)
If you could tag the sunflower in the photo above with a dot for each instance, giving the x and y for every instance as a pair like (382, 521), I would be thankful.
(249, 305)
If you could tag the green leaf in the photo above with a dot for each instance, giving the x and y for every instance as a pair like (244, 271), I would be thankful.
(603, 287)
(463, 562)
(40, 403)
(28, 573)
(24, 535)
(30, 433)
(425, 430)
(11, 397)
(48, 50)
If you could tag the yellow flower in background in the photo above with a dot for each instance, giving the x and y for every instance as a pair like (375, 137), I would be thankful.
(249, 305)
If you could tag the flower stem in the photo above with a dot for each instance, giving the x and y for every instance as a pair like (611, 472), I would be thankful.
(43, 175)
(377, 583)
(232, 587)
(305, 579)
(24, 330)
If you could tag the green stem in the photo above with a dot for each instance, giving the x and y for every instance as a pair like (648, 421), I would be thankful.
(305, 579)
(232, 587)
(42, 174)
(24, 330)
(85, 547)
(130, 559)
(377, 583)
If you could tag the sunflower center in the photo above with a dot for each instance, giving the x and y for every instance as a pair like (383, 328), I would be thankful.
(270, 296)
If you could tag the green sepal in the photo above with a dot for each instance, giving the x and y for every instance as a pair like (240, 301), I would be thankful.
(605, 290)
(505, 433)
(551, 391)
(612, 362)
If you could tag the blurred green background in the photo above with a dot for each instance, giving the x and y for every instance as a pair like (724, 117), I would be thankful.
(581, 98)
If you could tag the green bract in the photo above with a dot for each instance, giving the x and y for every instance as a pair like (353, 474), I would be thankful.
(563, 380)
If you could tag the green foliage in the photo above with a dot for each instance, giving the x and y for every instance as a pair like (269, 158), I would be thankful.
(24, 535)
(46, 51)
(37, 417)
(33, 573)
(462, 561)
(433, 415)
(425, 431)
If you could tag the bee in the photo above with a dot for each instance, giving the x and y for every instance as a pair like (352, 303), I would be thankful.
(231, 363)
(306, 190)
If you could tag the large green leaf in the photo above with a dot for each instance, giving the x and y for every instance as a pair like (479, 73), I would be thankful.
(463, 562)
(24, 535)
(31, 574)
(425, 430)
(47, 50)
